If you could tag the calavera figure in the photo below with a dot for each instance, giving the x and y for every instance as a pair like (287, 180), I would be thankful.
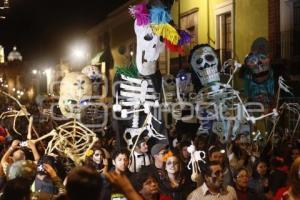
(149, 46)
(75, 92)
(169, 88)
(259, 81)
(184, 86)
(204, 62)
(94, 74)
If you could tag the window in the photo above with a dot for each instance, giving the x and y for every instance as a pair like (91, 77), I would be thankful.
(224, 34)
(296, 34)
(189, 22)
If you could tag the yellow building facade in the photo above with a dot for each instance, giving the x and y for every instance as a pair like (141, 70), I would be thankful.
(248, 19)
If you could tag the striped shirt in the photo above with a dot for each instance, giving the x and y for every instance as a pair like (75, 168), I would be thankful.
(203, 193)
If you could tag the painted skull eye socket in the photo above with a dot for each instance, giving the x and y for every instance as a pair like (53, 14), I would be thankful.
(161, 39)
(71, 101)
(148, 37)
(262, 56)
(169, 81)
(209, 57)
(199, 61)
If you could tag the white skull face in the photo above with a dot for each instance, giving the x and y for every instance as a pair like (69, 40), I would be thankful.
(94, 74)
(98, 157)
(149, 46)
(169, 82)
(205, 64)
(184, 85)
(75, 92)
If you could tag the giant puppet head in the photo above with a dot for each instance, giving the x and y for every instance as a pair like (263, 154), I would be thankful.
(205, 62)
(154, 31)
(258, 61)
(75, 92)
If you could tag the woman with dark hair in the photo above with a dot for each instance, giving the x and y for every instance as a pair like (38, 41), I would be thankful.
(96, 159)
(259, 181)
(241, 179)
(292, 192)
(174, 183)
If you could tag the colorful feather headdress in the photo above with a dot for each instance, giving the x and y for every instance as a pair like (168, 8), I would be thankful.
(160, 22)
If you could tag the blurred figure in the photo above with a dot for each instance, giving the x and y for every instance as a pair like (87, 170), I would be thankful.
(259, 181)
(16, 189)
(241, 179)
(213, 187)
(292, 192)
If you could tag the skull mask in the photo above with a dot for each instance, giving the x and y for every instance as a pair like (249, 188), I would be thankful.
(149, 46)
(75, 92)
(94, 74)
(184, 84)
(204, 62)
(258, 63)
(169, 85)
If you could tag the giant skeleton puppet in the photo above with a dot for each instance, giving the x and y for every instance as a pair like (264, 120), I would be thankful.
(217, 103)
(259, 81)
(137, 96)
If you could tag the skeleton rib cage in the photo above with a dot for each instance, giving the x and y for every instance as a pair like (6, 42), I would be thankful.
(135, 96)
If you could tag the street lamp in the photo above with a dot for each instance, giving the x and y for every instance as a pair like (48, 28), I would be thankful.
(79, 53)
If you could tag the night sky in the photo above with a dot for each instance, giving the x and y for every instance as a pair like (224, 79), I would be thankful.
(42, 29)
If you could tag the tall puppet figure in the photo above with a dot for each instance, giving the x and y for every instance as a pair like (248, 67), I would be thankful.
(137, 94)
(259, 81)
(217, 103)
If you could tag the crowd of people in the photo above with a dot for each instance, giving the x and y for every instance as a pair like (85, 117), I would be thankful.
(234, 170)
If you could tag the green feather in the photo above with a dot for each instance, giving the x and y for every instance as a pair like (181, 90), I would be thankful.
(129, 70)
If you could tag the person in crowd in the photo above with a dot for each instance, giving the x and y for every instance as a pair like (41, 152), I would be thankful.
(47, 181)
(241, 179)
(259, 181)
(82, 183)
(292, 191)
(174, 183)
(120, 160)
(183, 153)
(278, 174)
(158, 152)
(140, 156)
(15, 153)
(96, 159)
(215, 153)
(16, 189)
(238, 154)
(147, 186)
(213, 187)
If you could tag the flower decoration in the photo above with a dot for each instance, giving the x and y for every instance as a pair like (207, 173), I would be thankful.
(161, 23)
(89, 153)
(167, 155)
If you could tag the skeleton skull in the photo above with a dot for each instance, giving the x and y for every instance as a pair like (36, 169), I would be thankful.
(258, 63)
(149, 46)
(204, 62)
(184, 85)
(94, 74)
(75, 92)
(169, 84)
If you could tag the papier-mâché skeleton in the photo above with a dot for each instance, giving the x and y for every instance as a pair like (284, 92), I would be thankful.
(138, 96)
(217, 103)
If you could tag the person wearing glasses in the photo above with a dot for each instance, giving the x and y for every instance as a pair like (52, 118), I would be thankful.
(241, 179)
(213, 187)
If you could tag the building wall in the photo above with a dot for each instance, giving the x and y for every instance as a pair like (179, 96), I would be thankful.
(251, 22)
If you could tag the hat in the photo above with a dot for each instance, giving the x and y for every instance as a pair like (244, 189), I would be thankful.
(157, 148)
